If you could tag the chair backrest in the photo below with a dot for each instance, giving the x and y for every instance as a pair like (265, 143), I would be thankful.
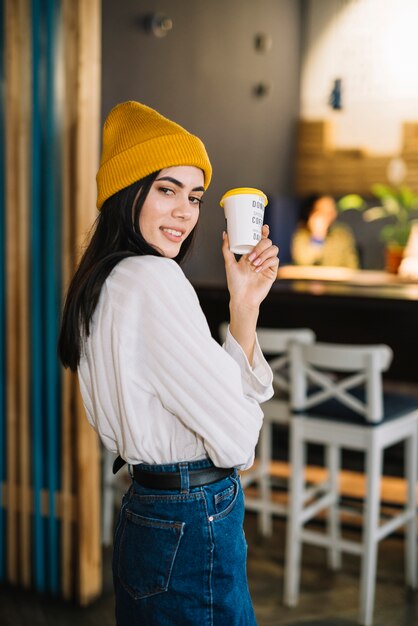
(275, 342)
(325, 371)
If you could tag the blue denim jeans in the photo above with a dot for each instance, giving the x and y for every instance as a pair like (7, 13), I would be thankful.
(179, 557)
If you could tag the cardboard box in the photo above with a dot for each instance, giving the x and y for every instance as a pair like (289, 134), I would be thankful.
(410, 138)
(314, 137)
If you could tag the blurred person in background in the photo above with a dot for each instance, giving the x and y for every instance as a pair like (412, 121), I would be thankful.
(319, 240)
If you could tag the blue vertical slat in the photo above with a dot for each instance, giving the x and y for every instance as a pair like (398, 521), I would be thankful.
(36, 303)
(51, 180)
(2, 300)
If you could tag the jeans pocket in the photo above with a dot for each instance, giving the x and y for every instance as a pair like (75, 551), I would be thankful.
(147, 551)
(225, 500)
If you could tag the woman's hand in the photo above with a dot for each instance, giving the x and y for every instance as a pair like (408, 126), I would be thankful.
(250, 279)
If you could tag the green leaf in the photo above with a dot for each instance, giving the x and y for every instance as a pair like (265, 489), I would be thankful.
(383, 191)
(408, 198)
(396, 233)
(392, 206)
(351, 201)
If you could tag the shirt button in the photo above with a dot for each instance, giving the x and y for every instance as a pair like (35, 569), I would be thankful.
(211, 519)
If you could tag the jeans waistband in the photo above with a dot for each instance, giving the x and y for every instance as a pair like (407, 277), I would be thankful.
(179, 476)
(175, 467)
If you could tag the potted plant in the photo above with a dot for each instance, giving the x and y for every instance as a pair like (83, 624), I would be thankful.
(397, 203)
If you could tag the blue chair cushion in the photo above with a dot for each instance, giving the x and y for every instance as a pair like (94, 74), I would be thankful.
(395, 405)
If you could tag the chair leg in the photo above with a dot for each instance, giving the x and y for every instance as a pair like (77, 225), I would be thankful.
(411, 472)
(333, 519)
(294, 524)
(370, 542)
(265, 520)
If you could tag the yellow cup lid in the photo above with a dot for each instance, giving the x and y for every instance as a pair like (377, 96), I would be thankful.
(244, 190)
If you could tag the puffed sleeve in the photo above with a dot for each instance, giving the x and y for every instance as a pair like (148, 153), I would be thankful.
(256, 378)
(167, 343)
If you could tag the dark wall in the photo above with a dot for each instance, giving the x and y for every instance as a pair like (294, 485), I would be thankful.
(203, 75)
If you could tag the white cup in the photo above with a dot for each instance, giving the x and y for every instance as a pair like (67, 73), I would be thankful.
(244, 214)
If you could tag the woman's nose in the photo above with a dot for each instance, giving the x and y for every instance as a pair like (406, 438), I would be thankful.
(182, 209)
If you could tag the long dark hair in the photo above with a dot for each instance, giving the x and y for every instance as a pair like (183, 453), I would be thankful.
(116, 235)
(306, 205)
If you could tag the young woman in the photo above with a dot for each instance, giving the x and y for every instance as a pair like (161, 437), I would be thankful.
(179, 408)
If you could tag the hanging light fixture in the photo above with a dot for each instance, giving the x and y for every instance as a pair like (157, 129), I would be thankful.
(335, 98)
(157, 24)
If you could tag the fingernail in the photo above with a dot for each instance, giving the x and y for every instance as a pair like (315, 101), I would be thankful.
(252, 256)
(257, 262)
(223, 234)
(258, 270)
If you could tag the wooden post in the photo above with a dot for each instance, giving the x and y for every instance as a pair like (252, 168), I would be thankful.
(11, 113)
(86, 164)
(16, 292)
(69, 88)
(22, 314)
(80, 541)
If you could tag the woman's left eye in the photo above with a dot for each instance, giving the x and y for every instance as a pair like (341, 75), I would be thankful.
(196, 201)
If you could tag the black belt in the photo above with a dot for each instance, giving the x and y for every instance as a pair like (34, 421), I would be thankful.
(172, 480)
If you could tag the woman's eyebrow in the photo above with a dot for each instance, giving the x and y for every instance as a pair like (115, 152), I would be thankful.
(178, 183)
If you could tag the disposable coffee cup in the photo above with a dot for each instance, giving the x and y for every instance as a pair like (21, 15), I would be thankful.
(244, 214)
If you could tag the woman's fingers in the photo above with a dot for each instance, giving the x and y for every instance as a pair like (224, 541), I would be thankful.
(270, 262)
(263, 255)
(262, 245)
(265, 230)
(262, 252)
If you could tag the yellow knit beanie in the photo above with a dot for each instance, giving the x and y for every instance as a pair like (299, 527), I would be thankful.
(138, 141)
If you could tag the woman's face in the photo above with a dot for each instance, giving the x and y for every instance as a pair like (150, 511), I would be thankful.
(171, 208)
(326, 208)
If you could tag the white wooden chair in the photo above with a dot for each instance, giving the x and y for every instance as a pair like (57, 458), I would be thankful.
(274, 344)
(337, 399)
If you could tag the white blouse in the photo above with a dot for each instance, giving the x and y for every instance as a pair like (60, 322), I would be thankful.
(156, 386)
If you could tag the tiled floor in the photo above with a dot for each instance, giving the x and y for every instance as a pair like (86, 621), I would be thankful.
(327, 598)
